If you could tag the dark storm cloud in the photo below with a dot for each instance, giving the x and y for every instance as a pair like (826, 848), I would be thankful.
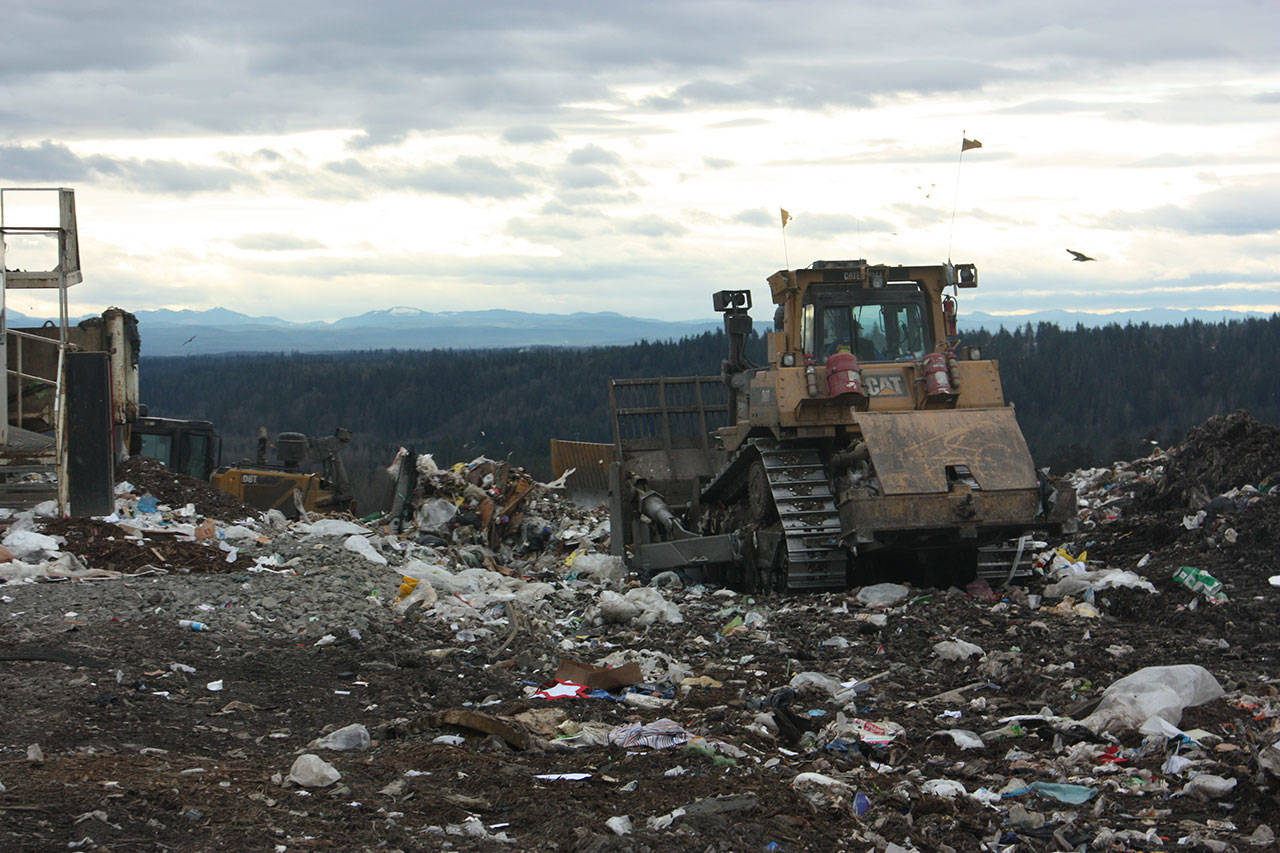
(1236, 210)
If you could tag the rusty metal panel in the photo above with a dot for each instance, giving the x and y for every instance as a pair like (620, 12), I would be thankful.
(911, 450)
(592, 461)
(667, 413)
(979, 385)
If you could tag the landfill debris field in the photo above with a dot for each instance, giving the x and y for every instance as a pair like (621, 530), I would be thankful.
(189, 674)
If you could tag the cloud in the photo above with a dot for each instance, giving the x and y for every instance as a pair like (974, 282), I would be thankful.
(529, 133)
(577, 199)
(465, 177)
(836, 225)
(275, 243)
(43, 163)
(758, 217)
(594, 155)
(609, 132)
(390, 67)
(545, 230)
(1200, 160)
(49, 162)
(653, 226)
(1219, 105)
(1051, 106)
(1236, 210)
(734, 123)
(584, 178)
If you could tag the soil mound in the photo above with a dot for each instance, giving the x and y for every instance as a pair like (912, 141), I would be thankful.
(177, 490)
(1223, 453)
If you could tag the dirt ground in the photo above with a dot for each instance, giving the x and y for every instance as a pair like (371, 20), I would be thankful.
(138, 752)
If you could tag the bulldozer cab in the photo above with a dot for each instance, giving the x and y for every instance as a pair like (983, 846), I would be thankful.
(890, 324)
(879, 313)
(192, 447)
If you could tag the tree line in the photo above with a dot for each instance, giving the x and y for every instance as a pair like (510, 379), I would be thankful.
(1084, 396)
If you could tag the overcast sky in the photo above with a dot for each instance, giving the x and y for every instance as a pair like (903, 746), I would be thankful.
(318, 160)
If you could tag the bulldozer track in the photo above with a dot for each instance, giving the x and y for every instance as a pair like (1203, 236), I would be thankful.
(797, 482)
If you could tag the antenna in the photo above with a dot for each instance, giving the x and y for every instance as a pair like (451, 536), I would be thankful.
(965, 144)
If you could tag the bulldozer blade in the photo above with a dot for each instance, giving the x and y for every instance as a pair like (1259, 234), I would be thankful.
(911, 451)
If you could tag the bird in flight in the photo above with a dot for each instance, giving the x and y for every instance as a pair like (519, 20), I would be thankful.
(193, 337)
(1080, 256)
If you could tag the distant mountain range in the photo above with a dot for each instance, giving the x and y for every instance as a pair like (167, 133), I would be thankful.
(219, 330)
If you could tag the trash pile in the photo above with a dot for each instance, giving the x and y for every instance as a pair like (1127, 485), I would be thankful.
(487, 676)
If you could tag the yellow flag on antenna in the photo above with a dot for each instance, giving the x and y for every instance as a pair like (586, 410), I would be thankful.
(786, 217)
(969, 143)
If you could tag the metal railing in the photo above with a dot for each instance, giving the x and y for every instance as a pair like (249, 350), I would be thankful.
(64, 273)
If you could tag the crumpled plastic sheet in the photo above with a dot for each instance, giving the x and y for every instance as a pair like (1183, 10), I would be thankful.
(1154, 691)
(660, 734)
(330, 527)
(361, 546)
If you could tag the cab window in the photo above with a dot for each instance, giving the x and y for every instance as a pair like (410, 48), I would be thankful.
(157, 447)
(197, 453)
(891, 327)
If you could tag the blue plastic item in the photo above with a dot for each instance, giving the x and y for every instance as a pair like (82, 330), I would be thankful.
(1070, 794)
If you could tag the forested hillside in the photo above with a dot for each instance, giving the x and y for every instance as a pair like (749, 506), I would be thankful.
(1084, 396)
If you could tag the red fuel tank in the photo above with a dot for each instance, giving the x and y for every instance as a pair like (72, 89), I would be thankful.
(843, 375)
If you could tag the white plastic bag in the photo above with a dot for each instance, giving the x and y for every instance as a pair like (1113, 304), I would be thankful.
(1154, 691)
(883, 594)
(312, 771)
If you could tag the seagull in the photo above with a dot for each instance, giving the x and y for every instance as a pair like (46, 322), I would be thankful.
(1080, 256)
(193, 337)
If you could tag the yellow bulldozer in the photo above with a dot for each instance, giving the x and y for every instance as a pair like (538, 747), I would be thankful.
(870, 445)
(284, 485)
